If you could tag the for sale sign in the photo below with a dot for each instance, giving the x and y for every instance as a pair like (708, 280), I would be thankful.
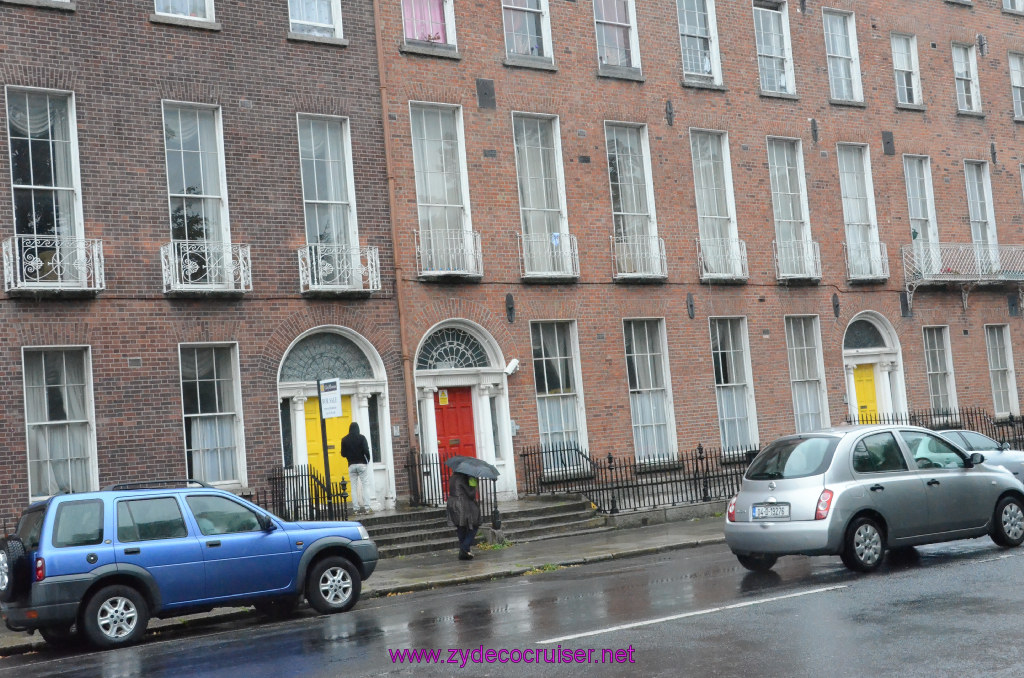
(330, 398)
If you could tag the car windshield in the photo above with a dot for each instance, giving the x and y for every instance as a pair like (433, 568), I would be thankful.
(793, 458)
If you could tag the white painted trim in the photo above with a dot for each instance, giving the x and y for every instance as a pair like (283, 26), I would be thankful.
(869, 187)
(1011, 376)
(892, 353)
(727, 172)
(467, 217)
(933, 229)
(716, 57)
(335, 15)
(556, 135)
(851, 32)
(652, 217)
(210, 13)
(666, 375)
(545, 29)
(972, 61)
(993, 232)
(350, 183)
(914, 64)
(947, 351)
(826, 415)
(634, 38)
(802, 179)
(752, 427)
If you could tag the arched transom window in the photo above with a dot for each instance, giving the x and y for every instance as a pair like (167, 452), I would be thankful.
(325, 355)
(451, 347)
(863, 334)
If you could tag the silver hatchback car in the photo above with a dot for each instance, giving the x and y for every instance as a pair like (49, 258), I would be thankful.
(854, 491)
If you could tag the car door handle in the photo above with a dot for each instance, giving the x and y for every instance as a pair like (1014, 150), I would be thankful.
(132, 552)
(876, 488)
(933, 481)
(214, 543)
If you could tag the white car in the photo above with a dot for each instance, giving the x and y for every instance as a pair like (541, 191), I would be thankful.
(996, 453)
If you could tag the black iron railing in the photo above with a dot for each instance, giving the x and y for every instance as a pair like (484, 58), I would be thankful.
(615, 484)
(1008, 429)
(428, 486)
(302, 493)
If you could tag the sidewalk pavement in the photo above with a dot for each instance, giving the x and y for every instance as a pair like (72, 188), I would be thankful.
(434, 570)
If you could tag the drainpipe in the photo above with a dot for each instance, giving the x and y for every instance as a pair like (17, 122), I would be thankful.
(407, 372)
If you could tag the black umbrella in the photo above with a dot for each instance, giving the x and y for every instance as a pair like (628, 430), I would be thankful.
(471, 466)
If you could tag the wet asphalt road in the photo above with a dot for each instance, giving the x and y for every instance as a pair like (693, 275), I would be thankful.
(944, 610)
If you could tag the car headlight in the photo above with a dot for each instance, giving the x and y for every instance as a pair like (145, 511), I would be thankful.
(363, 534)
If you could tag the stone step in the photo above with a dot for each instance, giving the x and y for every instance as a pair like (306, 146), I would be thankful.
(520, 522)
(559, 529)
(418, 515)
(386, 534)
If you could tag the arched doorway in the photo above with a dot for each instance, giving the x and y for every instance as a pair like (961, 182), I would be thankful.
(337, 353)
(873, 362)
(462, 399)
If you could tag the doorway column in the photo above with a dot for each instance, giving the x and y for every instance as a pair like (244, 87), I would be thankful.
(300, 455)
(851, 393)
(428, 421)
(361, 415)
(885, 387)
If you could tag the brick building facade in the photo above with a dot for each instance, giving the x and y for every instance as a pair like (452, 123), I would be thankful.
(192, 344)
(769, 103)
(628, 226)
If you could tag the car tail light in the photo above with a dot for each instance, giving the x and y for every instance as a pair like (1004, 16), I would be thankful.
(824, 504)
(40, 569)
(731, 513)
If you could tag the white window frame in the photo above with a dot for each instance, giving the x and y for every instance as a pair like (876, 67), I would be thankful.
(1009, 373)
(335, 26)
(962, 84)
(574, 346)
(652, 217)
(668, 414)
(545, 28)
(714, 55)
(1013, 5)
(241, 468)
(350, 184)
(76, 229)
(929, 236)
(944, 370)
(781, 7)
(869, 187)
(1016, 60)
(727, 173)
(556, 135)
(634, 39)
(851, 36)
(225, 220)
(751, 408)
(915, 69)
(991, 235)
(805, 222)
(90, 411)
(467, 221)
(816, 361)
(210, 12)
(448, 7)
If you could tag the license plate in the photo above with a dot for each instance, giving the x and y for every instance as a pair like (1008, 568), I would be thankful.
(769, 511)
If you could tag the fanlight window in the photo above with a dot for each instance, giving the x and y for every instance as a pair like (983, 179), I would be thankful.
(863, 334)
(449, 348)
(325, 356)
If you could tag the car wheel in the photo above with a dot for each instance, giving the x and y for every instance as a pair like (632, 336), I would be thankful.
(115, 616)
(333, 585)
(63, 637)
(277, 608)
(864, 545)
(760, 562)
(14, 570)
(1008, 522)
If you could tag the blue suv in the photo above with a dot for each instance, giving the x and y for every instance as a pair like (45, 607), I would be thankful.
(101, 564)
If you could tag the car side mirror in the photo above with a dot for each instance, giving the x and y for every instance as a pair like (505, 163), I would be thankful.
(1004, 445)
(977, 458)
(267, 524)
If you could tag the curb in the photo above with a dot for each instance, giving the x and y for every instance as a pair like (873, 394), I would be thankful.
(33, 642)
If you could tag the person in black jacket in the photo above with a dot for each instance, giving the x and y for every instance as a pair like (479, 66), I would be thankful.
(464, 511)
(357, 451)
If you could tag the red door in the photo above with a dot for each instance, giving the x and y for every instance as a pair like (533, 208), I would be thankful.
(453, 408)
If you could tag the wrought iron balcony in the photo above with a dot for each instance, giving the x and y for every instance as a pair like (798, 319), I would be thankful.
(962, 263)
(443, 253)
(722, 260)
(205, 267)
(52, 264)
(639, 257)
(797, 260)
(549, 256)
(867, 262)
(338, 269)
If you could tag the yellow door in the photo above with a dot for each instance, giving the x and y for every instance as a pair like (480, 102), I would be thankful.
(337, 428)
(867, 399)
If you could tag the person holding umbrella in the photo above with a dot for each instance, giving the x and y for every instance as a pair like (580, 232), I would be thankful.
(463, 505)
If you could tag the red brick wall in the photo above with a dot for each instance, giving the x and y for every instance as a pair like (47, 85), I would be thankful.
(120, 65)
(583, 101)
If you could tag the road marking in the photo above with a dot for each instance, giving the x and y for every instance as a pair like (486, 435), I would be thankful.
(684, 615)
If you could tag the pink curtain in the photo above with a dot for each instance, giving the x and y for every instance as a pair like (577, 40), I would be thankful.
(424, 20)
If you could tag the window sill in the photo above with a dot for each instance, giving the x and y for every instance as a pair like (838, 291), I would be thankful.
(778, 95)
(1020, 120)
(536, 63)
(847, 102)
(620, 73)
(184, 21)
(697, 82)
(1013, 12)
(962, 3)
(911, 107)
(971, 114)
(430, 49)
(44, 4)
(321, 39)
